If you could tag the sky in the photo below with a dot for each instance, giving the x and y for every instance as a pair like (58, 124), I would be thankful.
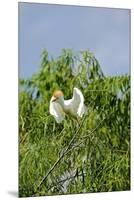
(104, 31)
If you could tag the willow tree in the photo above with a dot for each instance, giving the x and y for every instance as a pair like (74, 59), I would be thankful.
(63, 159)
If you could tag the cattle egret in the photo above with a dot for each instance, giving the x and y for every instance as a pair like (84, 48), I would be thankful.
(74, 107)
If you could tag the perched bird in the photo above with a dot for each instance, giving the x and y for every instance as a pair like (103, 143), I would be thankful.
(73, 107)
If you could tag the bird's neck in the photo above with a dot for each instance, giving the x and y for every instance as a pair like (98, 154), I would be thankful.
(61, 102)
(65, 106)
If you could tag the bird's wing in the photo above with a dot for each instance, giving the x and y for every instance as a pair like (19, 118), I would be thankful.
(78, 102)
(56, 110)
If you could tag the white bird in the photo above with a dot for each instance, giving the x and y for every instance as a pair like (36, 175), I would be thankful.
(59, 107)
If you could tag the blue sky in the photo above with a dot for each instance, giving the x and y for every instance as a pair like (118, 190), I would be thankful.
(104, 31)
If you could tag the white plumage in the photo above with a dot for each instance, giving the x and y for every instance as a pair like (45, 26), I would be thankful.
(60, 107)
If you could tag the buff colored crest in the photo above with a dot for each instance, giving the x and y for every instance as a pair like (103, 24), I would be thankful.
(58, 93)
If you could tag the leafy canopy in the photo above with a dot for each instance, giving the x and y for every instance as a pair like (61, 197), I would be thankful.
(99, 157)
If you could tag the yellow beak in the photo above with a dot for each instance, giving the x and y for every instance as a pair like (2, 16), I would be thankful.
(54, 99)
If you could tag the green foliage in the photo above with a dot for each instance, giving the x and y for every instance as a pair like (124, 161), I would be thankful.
(99, 157)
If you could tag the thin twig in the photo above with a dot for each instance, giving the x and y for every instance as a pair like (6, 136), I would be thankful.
(24, 137)
(84, 137)
(77, 145)
(73, 138)
(60, 132)
(98, 90)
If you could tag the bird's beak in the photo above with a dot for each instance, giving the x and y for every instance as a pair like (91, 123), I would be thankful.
(54, 99)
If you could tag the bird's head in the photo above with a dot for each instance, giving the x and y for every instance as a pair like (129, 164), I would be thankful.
(58, 97)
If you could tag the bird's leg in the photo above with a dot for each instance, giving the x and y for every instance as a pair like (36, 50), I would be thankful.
(73, 125)
(78, 122)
